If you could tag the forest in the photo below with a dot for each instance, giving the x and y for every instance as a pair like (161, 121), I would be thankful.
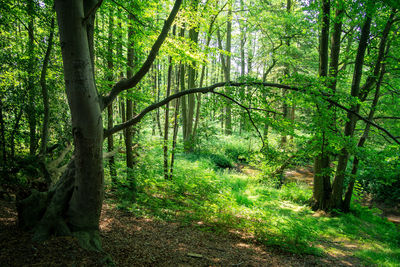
(200, 133)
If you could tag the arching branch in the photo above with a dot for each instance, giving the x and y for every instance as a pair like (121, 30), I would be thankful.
(126, 84)
(211, 89)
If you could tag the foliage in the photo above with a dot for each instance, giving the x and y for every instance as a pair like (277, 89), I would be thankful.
(202, 195)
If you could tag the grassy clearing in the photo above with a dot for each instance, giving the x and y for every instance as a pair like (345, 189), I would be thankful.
(204, 194)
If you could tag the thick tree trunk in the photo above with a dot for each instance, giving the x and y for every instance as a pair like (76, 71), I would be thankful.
(73, 205)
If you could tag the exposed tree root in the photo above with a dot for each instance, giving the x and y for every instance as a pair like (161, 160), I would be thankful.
(45, 213)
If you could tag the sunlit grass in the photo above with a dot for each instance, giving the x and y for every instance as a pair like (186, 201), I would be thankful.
(216, 199)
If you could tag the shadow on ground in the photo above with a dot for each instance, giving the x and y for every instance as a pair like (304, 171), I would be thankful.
(135, 241)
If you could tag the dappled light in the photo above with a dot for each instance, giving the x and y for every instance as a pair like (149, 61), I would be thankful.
(199, 133)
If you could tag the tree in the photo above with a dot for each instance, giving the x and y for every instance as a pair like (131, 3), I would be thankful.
(73, 205)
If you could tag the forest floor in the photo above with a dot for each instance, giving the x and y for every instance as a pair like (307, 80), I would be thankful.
(132, 241)
(146, 241)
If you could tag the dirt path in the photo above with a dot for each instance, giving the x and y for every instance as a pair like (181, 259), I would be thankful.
(133, 241)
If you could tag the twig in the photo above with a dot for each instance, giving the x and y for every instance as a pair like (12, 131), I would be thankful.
(248, 113)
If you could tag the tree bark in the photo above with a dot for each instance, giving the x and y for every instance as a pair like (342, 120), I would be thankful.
(166, 122)
(31, 109)
(83, 212)
(337, 188)
(286, 72)
(110, 108)
(129, 110)
(379, 66)
(322, 183)
(228, 108)
(73, 205)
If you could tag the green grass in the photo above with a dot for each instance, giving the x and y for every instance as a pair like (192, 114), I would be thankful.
(223, 199)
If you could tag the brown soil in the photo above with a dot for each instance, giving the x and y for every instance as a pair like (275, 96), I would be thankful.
(132, 241)
(300, 174)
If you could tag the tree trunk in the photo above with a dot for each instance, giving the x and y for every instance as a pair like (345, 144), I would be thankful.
(129, 111)
(166, 122)
(361, 142)
(45, 96)
(286, 72)
(2, 139)
(379, 66)
(228, 108)
(73, 206)
(110, 109)
(31, 109)
(176, 128)
(337, 189)
(322, 184)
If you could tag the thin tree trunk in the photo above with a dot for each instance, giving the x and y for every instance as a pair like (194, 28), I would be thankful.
(322, 184)
(176, 128)
(286, 73)
(129, 110)
(158, 119)
(228, 109)
(361, 142)
(166, 122)
(384, 45)
(31, 109)
(110, 108)
(45, 94)
(2, 138)
(337, 188)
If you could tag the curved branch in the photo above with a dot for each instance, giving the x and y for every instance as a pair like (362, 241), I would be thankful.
(126, 84)
(211, 89)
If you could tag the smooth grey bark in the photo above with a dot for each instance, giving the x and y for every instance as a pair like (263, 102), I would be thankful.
(83, 212)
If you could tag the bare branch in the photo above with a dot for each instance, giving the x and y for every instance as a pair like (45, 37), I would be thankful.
(386, 118)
